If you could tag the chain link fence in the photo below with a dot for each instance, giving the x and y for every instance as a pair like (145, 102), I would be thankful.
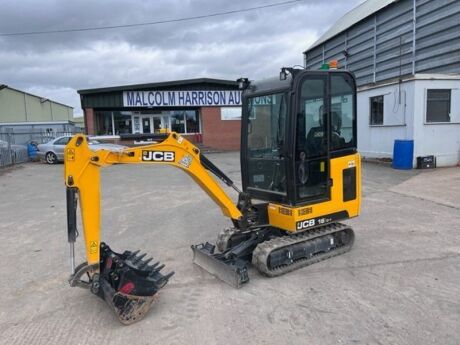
(16, 145)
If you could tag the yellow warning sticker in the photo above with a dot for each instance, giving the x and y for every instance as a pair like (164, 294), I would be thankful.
(321, 166)
(71, 155)
(93, 247)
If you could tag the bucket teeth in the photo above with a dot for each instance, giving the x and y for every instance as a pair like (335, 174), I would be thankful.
(169, 275)
(132, 255)
(159, 268)
(150, 268)
(139, 258)
(164, 279)
(145, 263)
(156, 270)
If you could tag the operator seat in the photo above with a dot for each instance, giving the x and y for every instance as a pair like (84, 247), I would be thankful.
(316, 138)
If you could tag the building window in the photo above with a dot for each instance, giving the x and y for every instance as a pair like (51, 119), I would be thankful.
(178, 122)
(186, 121)
(122, 122)
(438, 105)
(103, 123)
(376, 105)
(193, 121)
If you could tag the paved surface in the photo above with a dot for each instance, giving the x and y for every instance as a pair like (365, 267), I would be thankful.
(399, 285)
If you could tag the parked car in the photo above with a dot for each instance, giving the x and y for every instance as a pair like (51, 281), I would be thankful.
(53, 151)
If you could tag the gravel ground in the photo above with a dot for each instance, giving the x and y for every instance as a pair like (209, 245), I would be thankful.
(400, 284)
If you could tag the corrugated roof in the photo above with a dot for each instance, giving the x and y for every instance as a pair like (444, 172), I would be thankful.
(352, 17)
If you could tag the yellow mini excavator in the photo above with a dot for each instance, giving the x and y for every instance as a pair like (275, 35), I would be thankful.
(300, 176)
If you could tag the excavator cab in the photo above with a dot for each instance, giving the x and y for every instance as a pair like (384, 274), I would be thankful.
(291, 131)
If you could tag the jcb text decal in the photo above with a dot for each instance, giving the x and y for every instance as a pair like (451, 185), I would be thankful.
(309, 223)
(305, 224)
(158, 156)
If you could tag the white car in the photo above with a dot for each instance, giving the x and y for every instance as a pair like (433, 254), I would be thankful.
(53, 151)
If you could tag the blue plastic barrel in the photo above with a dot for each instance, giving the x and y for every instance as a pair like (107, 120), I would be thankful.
(403, 154)
(32, 150)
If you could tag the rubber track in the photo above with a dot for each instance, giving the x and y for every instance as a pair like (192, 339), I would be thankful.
(263, 250)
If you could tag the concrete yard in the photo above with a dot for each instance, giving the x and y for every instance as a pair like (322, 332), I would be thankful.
(400, 284)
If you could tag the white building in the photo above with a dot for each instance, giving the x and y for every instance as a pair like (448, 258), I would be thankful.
(406, 58)
(424, 108)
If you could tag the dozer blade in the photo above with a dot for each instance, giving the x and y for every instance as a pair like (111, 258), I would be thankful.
(128, 283)
(232, 271)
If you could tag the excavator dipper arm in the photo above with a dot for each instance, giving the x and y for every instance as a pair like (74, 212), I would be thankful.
(126, 281)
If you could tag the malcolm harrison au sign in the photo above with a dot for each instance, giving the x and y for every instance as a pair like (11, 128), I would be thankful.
(180, 98)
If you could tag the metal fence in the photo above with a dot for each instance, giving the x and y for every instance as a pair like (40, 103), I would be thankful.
(11, 153)
(14, 143)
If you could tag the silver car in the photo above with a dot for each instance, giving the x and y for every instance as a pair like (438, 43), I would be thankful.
(53, 151)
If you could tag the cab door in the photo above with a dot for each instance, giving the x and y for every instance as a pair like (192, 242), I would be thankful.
(311, 151)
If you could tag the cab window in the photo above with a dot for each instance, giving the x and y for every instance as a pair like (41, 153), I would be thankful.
(266, 128)
(342, 112)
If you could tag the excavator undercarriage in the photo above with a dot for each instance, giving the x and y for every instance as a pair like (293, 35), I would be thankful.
(272, 252)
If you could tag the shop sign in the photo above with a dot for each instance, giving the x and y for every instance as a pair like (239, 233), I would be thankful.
(230, 113)
(181, 98)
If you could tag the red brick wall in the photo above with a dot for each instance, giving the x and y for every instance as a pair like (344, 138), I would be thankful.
(218, 134)
(89, 121)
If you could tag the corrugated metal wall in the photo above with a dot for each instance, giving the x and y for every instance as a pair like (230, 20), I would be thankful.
(17, 106)
(381, 47)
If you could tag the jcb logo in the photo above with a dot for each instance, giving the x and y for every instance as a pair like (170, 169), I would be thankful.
(158, 156)
(306, 224)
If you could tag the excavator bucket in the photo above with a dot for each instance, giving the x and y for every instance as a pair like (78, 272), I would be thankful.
(232, 271)
(128, 283)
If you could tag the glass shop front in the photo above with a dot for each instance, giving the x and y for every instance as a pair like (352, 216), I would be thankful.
(147, 121)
